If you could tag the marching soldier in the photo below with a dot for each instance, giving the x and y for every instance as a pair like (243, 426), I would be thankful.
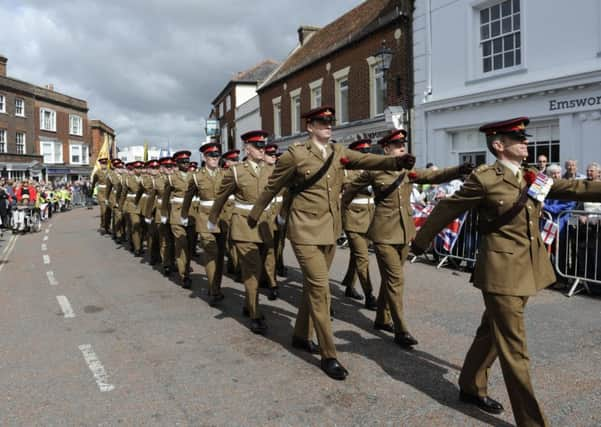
(132, 193)
(269, 271)
(392, 229)
(512, 263)
(115, 179)
(177, 186)
(229, 159)
(147, 210)
(356, 217)
(153, 213)
(207, 182)
(101, 178)
(246, 181)
(313, 171)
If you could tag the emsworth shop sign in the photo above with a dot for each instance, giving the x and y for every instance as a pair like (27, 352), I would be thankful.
(576, 103)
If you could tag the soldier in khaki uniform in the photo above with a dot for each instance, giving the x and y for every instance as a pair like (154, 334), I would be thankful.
(269, 271)
(356, 217)
(314, 222)
(229, 159)
(101, 178)
(207, 182)
(512, 264)
(392, 229)
(132, 193)
(177, 186)
(147, 210)
(246, 181)
(115, 185)
(153, 213)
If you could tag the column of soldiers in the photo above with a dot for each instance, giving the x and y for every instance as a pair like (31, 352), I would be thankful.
(310, 193)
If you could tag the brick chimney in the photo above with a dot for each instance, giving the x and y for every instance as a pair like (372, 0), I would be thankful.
(3, 62)
(304, 32)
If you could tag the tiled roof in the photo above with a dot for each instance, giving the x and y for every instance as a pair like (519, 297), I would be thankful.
(258, 73)
(333, 36)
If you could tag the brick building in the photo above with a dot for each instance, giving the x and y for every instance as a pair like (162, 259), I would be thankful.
(99, 132)
(338, 65)
(239, 90)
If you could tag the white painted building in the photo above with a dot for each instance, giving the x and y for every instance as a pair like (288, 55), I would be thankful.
(478, 61)
(248, 117)
(136, 152)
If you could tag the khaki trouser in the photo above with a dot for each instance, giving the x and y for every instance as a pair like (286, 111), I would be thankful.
(182, 240)
(105, 216)
(117, 229)
(314, 309)
(230, 251)
(358, 262)
(391, 260)
(502, 334)
(166, 244)
(134, 230)
(269, 265)
(153, 241)
(213, 251)
(250, 256)
(279, 241)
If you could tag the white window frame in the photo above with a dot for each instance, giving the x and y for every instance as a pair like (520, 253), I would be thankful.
(43, 112)
(315, 86)
(73, 118)
(51, 144)
(72, 148)
(228, 103)
(375, 72)
(3, 141)
(221, 109)
(2, 103)
(22, 107)
(295, 111)
(277, 116)
(339, 77)
(23, 143)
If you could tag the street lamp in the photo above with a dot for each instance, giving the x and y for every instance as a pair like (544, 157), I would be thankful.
(384, 56)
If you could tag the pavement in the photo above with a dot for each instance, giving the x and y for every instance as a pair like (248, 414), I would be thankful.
(90, 335)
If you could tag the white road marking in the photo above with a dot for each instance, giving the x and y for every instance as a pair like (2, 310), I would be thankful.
(45, 238)
(7, 250)
(46, 259)
(44, 247)
(51, 278)
(96, 367)
(65, 306)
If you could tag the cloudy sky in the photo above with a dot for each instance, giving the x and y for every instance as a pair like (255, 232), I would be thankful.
(150, 68)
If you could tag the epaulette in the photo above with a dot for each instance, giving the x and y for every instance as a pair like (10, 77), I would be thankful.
(298, 144)
(482, 168)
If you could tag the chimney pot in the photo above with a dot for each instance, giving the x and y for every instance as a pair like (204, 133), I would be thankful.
(304, 32)
(3, 62)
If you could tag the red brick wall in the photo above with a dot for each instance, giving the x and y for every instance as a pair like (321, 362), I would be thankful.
(355, 56)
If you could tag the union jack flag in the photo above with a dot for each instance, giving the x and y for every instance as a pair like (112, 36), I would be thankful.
(420, 214)
(449, 234)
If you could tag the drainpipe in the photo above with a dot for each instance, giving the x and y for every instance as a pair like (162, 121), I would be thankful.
(428, 49)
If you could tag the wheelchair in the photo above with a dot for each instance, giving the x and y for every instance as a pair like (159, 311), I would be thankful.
(26, 218)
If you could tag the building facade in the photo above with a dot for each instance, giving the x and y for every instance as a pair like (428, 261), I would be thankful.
(99, 133)
(339, 65)
(482, 61)
(136, 153)
(239, 90)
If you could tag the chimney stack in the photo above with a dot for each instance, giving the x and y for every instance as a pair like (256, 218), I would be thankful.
(304, 32)
(3, 62)
(50, 86)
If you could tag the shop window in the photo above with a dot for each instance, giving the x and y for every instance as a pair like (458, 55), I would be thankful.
(544, 141)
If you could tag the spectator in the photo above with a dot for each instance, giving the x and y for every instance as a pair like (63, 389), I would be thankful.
(572, 170)
(555, 207)
(541, 163)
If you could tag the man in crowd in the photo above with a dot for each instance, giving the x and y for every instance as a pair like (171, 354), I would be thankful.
(571, 172)
(541, 163)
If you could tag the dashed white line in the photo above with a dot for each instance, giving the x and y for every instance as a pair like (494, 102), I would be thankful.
(46, 259)
(45, 238)
(44, 247)
(65, 306)
(7, 250)
(51, 279)
(96, 367)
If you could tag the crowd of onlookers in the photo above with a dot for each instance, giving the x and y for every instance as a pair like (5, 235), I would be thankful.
(19, 198)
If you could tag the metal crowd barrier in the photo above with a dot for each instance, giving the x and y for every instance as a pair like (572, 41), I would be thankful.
(577, 249)
(466, 246)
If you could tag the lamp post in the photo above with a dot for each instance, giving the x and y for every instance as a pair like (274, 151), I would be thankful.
(384, 55)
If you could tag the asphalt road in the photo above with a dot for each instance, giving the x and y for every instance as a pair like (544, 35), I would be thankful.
(91, 335)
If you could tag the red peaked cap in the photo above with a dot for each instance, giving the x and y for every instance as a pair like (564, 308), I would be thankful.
(515, 126)
(166, 161)
(193, 166)
(211, 147)
(395, 136)
(271, 149)
(360, 144)
(319, 113)
(231, 155)
(152, 164)
(138, 164)
(129, 165)
(116, 162)
(181, 155)
(254, 136)
(103, 161)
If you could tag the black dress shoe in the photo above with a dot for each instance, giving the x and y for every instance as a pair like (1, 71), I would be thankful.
(166, 271)
(334, 369)
(388, 327)
(351, 292)
(273, 294)
(246, 313)
(405, 339)
(371, 303)
(307, 345)
(258, 326)
(214, 299)
(186, 283)
(485, 403)
(137, 253)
